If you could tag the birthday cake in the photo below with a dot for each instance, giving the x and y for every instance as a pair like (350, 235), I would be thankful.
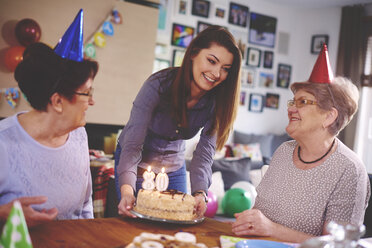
(170, 204)
(179, 240)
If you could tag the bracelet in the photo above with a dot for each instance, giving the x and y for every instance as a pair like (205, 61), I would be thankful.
(201, 192)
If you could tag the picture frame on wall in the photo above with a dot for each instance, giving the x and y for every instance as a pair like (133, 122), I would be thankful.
(181, 7)
(266, 80)
(220, 12)
(283, 77)
(238, 14)
(262, 30)
(200, 8)
(201, 26)
(160, 64)
(242, 97)
(177, 57)
(268, 59)
(272, 100)
(253, 57)
(247, 77)
(317, 42)
(256, 102)
(182, 35)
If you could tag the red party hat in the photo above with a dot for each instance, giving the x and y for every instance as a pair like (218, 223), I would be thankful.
(322, 71)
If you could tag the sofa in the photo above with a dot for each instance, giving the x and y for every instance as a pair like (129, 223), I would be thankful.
(241, 160)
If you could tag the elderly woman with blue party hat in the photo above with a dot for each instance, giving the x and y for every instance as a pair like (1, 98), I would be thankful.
(45, 155)
(315, 178)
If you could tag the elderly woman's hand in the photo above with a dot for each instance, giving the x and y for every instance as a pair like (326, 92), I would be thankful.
(252, 222)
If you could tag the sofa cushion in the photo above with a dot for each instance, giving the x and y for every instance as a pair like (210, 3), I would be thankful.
(265, 141)
(234, 170)
(252, 151)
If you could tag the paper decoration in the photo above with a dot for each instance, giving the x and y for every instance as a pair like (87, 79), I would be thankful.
(162, 180)
(15, 233)
(90, 51)
(98, 38)
(148, 179)
(107, 28)
(12, 96)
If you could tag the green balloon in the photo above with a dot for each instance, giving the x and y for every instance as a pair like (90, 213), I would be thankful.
(235, 200)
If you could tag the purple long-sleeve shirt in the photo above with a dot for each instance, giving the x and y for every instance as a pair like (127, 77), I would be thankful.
(153, 137)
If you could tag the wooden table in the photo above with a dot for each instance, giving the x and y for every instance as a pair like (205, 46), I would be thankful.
(118, 232)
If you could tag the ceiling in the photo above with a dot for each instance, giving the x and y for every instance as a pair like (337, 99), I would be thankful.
(319, 3)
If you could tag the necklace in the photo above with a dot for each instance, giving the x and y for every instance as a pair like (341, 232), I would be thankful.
(311, 162)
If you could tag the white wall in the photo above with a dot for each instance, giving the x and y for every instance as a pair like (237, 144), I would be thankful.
(301, 24)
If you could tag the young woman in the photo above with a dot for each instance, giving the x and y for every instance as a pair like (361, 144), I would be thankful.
(172, 106)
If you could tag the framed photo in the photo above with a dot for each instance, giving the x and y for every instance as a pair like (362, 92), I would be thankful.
(160, 64)
(181, 7)
(256, 102)
(317, 42)
(181, 35)
(262, 30)
(177, 57)
(201, 26)
(220, 12)
(242, 97)
(272, 101)
(283, 76)
(268, 59)
(253, 57)
(238, 14)
(200, 8)
(266, 80)
(247, 78)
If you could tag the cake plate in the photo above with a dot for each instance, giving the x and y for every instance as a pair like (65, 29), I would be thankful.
(147, 217)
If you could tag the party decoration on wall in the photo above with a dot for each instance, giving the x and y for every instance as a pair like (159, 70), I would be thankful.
(99, 40)
(235, 200)
(116, 17)
(70, 46)
(27, 32)
(212, 205)
(12, 96)
(90, 51)
(106, 29)
(13, 56)
(15, 233)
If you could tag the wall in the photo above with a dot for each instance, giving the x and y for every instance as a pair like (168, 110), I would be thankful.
(299, 23)
(125, 62)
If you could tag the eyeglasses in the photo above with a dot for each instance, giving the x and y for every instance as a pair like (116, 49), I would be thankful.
(90, 93)
(300, 103)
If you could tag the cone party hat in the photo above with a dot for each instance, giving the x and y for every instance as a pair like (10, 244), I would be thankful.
(70, 46)
(15, 233)
(322, 71)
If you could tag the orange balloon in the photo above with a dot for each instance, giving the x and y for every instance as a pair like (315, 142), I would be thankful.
(13, 56)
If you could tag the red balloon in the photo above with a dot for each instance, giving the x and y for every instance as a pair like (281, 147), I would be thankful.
(13, 56)
(27, 32)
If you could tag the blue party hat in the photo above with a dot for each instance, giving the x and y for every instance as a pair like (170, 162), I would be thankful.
(70, 46)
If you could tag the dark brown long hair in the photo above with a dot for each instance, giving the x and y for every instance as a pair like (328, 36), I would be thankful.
(226, 94)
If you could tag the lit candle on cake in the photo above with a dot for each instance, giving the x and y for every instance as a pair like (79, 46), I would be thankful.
(162, 181)
(148, 179)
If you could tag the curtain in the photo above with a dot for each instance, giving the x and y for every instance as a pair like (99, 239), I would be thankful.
(351, 56)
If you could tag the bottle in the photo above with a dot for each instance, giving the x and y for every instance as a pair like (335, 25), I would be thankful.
(342, 235)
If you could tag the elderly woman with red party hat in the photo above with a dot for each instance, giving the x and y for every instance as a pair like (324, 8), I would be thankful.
(315, 178)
